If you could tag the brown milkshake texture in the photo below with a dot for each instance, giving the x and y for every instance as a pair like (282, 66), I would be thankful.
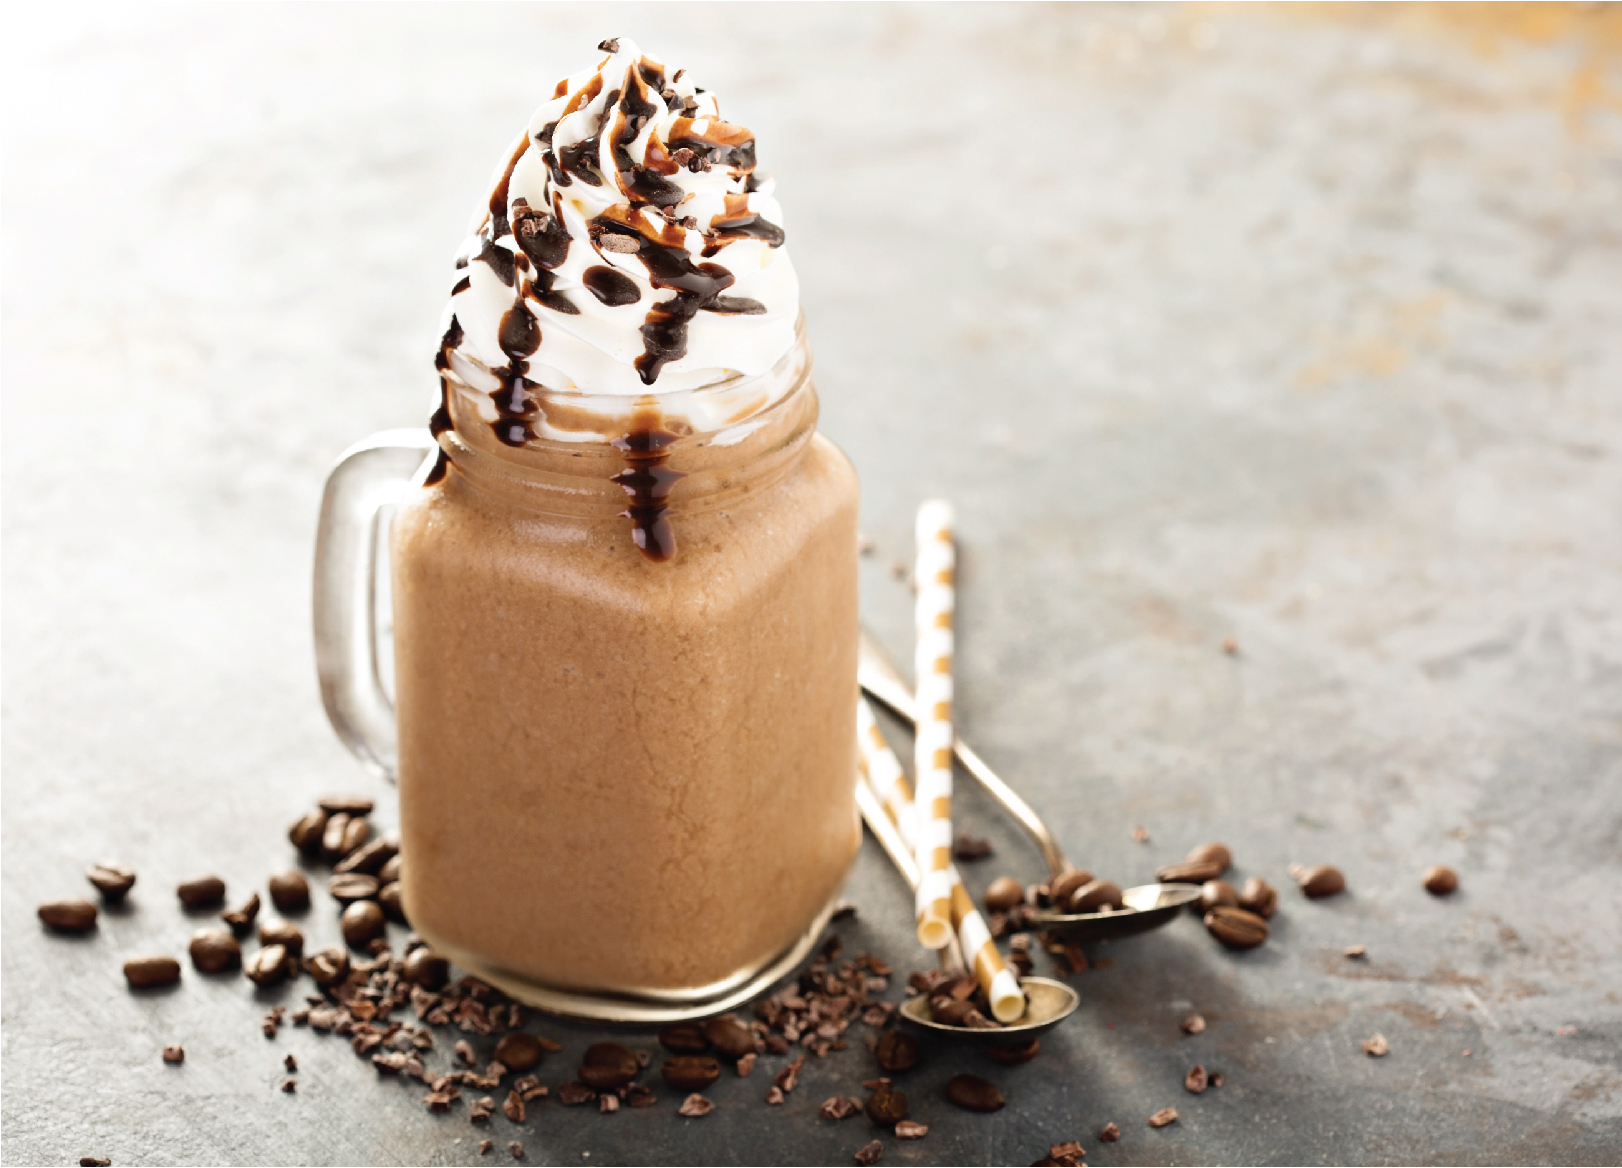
(625, 595)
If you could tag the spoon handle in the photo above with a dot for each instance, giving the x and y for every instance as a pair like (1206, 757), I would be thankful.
(883, 682)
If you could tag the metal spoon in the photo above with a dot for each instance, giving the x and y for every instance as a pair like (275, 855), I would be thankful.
(1148, 906)
(1047, 1002)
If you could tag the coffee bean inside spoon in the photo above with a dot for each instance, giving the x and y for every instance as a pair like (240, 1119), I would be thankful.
(1145, 907)
(1047, 1002)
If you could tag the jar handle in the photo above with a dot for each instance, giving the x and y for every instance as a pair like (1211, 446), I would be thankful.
(369, 477)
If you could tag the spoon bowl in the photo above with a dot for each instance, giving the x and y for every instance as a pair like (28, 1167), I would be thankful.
(1148, 906)
(1047, 1003)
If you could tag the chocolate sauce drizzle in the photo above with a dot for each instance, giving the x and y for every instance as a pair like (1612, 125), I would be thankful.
(647, 480)
(543, 244)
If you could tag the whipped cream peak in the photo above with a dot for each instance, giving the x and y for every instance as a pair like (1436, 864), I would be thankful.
(628, 247)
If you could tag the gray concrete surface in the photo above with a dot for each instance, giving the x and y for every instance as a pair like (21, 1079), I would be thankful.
(1303, 328)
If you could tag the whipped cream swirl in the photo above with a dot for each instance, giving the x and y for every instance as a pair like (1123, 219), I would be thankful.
(628, 248)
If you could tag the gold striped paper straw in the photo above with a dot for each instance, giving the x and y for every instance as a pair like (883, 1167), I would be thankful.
(932, 759)
(884, 830)
(996, 980)
(978, 951)
(885, 775)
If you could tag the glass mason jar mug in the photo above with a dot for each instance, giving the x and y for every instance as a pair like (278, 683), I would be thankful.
(624, 643)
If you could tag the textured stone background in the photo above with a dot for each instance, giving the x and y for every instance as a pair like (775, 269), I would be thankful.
(1303, 327)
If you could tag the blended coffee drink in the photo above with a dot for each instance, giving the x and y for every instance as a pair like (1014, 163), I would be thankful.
(625, 593)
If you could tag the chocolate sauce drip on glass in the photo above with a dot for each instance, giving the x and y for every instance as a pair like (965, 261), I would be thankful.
(518, 405)
(647, 480)
(437, 471)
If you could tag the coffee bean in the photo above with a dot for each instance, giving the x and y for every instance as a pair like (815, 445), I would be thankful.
(307, 831)
(1012, 1056)
(328, 967)
(428, 969)
(1236, 928)
(684, 1038)
(201, 892)
(1060, 888)
(332, 838)
(1005, 892)
(371, 858)
(145, 972)
(886, 1107)
(390, 872)
(1195, 1081)
(283, 934)
(1440, 881)
(968, 849)
(1189, 872)
(214, 951)
(241, 919)
(685, 1072)
(608, 1065)
(1323, 880)
(973, 1093)
(896, 1052)
(1217, 893)
(1094, 896)
(362, 922)
(113, 881)
(268, 966)
(517, 1052)
(355, 805)
(1213, 853)
(68, 916)
(393, 906)
(352, 886)
(950, 1011)
(1259, 897)
(729, 1036)
(290, 892)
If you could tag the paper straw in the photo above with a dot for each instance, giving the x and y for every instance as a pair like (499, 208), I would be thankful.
(884, 772)
(879, 823)
(932, 766)
(996, 980)
(974, 949)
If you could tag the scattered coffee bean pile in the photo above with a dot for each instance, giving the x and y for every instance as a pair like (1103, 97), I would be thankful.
(389, 1006)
